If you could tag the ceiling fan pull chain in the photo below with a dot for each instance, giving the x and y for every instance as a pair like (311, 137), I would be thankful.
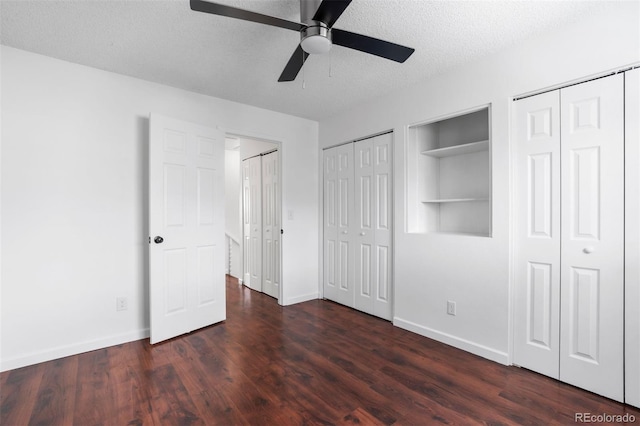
(330, 69)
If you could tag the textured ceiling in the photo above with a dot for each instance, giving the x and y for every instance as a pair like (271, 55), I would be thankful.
(165, 42)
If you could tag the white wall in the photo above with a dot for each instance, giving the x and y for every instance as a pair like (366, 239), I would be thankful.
(474, 271)
(74, 209)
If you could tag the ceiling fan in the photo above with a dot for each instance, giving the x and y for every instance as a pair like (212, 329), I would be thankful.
(316, 31)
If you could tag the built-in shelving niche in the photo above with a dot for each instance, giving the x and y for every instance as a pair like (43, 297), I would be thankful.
(449, 175)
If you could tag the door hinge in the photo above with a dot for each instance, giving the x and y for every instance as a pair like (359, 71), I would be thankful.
(281, 231)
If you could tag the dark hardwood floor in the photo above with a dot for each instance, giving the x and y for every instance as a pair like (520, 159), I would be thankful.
(312, 363)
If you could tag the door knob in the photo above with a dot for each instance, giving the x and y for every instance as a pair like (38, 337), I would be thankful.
(589, 249)
(158, 240)
(362, 234)
(345, 232)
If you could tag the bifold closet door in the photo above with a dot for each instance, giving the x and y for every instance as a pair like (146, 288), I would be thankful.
(252, 222)
(338, 216)
(592, 227)
(357, 225)
(632, 240)
(537, 237)
(270, 225)
(246, 224)
(372, 233)
(569, 278)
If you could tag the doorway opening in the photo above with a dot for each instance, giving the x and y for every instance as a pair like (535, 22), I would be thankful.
(253, 213)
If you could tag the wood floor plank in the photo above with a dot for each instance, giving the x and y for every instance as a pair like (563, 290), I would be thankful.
(93, 393)
(313, 363)
(172, 401)
(56, 396)
(18, 394)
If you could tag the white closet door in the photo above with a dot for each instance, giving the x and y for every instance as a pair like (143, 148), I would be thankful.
(383, 208)
(253, 222)
(330, 228)
(364, 226)
(592, 226)
(270, 226)
(338, 218)
(632, 240)
(246, 223)
(537, 233)
(345, 218)
(372, 225)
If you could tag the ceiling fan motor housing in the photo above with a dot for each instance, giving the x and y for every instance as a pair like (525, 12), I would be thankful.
(316, 39)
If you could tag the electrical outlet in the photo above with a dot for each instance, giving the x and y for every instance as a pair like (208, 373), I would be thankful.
(121, 303)
(451, 307)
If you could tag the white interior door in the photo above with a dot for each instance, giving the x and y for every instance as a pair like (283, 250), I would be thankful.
(570, 180)
(383, 224)
(246, 224)
(345, 208)
(270, 225)
(330, 228)
(186, 223)
(253, 219)
(592, 226)
(632, 240)
(372, 225)
(339, 261)
(364, 219)
(537, 233)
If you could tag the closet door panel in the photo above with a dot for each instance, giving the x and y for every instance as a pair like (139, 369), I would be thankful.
(246, 223)
(537, 233)
(255, 223)
(632, 240)
(363, 232)
(364, 196)
(382, 225)
(271, 226)
(345, 264)
(592, 223)
(330, 217)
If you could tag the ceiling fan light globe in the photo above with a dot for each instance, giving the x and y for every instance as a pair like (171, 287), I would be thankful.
(316, 44)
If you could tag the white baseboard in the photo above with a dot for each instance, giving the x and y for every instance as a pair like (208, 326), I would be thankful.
(456, 342)
(74, 349)
(299, 299)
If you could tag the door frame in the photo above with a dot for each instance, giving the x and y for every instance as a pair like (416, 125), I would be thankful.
(279, 149)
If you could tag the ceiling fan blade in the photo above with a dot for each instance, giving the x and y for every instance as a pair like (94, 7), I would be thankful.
(294, 65)
(234, 12)
(374, 46)
(330, 10)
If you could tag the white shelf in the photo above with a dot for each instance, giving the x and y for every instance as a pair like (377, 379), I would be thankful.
(466, 148)
(450, 179)
(465, 234)
(455, 200)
